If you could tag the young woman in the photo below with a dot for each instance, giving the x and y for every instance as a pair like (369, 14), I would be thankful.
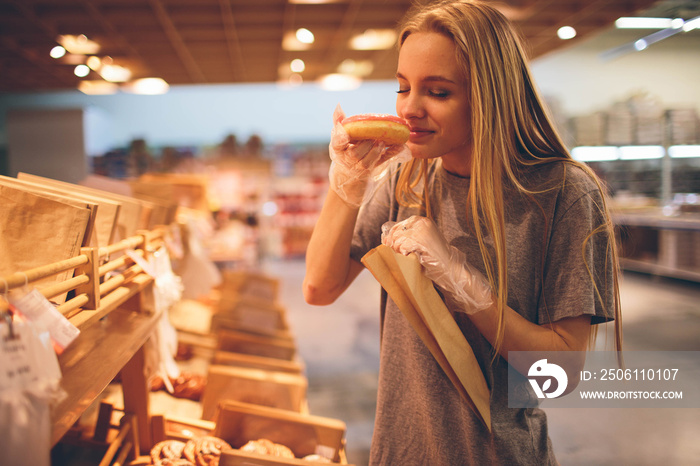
(514, 233)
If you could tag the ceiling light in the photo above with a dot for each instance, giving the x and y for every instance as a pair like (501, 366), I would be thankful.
(566, 33)
(642, 23)
(678, 152)
(57, 52)
(595, 153)
(652, 38)
(640, 45)
(339, 82)
(691, 24)
(677, 23)
(297, 65)
(291, 43)
(361, 68)
(374, 39)
(115, 73)
(641, 152)
(97, 87)
(81, 71)
(304, 36)
(147, 86)
(78, 44)
(94, 63)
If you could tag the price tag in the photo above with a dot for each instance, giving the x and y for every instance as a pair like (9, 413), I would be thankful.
(24, 357)
(36, 308)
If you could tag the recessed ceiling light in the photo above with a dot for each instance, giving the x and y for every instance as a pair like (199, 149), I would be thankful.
(57, 52)
(297, 65)
(291, 43)
(81, 71)
(566, 33)
(304, 36)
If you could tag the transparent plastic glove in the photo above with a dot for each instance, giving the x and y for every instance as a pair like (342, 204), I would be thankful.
(444, 264)
(356, 168)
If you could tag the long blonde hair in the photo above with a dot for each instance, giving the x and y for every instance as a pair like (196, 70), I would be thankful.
(510, 130)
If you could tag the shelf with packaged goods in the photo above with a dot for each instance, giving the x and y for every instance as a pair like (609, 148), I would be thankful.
(110, 300)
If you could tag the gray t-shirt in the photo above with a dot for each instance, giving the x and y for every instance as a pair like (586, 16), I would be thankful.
(420, 418)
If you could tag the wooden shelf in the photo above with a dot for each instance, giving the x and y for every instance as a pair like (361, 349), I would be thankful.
(92, 361)
(115, 313)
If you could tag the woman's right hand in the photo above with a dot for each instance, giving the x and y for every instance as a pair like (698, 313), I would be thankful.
(354, 165)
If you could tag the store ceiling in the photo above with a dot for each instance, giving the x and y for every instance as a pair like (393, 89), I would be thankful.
(240, 41)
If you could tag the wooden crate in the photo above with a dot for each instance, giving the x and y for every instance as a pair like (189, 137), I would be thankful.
(241, 342)
(304, 434)
(266, 388)
(227, 358)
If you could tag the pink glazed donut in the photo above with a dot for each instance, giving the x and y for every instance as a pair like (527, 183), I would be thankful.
(390, 129)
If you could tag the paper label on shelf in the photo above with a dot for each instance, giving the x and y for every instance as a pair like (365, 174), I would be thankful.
(25, 356)
(36, 308)
(143, 263)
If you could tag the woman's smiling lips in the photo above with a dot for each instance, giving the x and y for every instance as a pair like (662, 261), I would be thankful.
(418, 133)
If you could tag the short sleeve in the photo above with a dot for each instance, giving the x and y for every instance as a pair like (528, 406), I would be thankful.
(579, 271)
(373, 214)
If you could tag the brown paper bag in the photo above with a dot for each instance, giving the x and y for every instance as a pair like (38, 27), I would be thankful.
(403, 279)
(129, 212)
(90, 237)
(106, 214)
(38, 231)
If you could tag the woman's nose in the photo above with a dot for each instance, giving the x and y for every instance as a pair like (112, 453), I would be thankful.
(409, 106)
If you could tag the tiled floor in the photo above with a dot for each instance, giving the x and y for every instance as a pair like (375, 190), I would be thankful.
(340, 346)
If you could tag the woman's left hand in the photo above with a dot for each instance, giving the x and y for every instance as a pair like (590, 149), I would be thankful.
(444, 264)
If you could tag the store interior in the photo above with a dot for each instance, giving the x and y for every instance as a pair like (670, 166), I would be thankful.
(225, 174)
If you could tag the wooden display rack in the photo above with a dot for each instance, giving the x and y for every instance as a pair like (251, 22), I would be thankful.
(111, 302)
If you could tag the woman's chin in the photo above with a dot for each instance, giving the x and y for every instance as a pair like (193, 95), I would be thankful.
(420, 152)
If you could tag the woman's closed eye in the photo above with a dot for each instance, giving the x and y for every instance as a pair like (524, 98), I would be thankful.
(439, 93)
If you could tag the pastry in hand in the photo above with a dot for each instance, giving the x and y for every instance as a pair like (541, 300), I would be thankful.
(390, 129)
